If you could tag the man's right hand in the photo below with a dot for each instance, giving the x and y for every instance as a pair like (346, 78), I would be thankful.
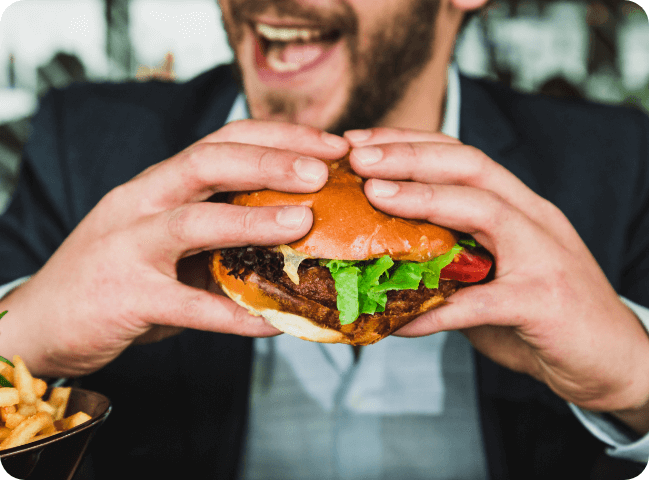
(115, 279)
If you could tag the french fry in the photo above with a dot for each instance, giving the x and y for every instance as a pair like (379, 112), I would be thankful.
(26, 430)
(23, 381)
(73, 420)
(27, 410)
(50, 430)
(4, 433)
(42, 406)
(59, 399)
(40, 387)
(9, 396)
(13, 420)
(4, 411)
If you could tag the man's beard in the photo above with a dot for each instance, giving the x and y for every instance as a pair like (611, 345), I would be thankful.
(398, 49)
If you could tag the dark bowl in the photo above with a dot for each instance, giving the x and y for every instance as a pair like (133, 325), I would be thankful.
(58, 456)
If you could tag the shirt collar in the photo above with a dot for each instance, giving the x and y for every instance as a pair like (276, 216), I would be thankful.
(450, 121)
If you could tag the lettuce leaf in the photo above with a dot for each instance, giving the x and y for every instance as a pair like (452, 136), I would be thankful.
(362, 287)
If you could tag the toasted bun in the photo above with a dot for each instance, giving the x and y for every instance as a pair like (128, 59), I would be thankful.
(347, 227)
(307, 319)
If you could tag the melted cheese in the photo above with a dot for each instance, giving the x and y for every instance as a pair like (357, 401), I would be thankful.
(292, 260)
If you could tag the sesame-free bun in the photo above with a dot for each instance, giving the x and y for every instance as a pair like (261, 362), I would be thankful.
(347, 227)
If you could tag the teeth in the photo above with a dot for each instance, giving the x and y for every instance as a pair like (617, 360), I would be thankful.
(287, 34)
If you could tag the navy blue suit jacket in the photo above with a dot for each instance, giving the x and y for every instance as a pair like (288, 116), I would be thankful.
(591, 161)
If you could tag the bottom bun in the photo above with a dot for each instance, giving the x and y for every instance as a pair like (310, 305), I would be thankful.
(309, 320)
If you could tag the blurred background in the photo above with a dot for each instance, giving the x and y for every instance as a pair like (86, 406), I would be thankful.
(595, 49)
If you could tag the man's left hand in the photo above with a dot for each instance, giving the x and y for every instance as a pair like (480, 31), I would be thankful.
(550, 311)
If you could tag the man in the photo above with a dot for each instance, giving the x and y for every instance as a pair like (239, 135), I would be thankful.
(115, 271)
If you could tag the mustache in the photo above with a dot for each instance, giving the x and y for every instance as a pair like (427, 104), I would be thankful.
(341, 17)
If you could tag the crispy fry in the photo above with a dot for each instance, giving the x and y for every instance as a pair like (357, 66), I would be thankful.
(27, 410)
(23, 381)
(59, 399)
(42, 406)
(26, 430)
(40, 387)
(49, 430)
(4, 411)
(13, 420)
(73, 420)
(4, 433)
(9, 396)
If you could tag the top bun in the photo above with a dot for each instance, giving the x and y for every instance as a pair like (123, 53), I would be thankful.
(347, 227)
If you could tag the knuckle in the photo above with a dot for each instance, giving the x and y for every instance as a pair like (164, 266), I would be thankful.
(177, 223)
(491, 211)
(426, 195)
(267, 163)
(195, 156)
(190, 307)
(478, 166)
(248, 220)
(240, 316)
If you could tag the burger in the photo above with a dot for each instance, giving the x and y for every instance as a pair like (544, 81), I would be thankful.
(357, 276)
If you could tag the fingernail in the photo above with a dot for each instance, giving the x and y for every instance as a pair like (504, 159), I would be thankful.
(334, 140)
(381, 188)
(368, 155)
(309, 170)
(358, 135)
(291, 217)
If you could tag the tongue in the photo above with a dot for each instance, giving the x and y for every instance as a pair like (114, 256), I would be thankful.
(290, 57)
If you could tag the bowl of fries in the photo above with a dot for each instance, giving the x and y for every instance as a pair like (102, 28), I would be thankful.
(44, 432)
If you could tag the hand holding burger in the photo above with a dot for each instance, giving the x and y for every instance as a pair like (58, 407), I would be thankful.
(549, 311)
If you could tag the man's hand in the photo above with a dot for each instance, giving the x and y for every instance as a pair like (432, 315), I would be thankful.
(550, 312)
(115, 279)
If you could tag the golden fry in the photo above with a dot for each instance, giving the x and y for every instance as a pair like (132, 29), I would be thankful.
(59, 399)
(9, 396)
(4, 411)
(26, 430)
(42, 406)
(4, 433)
(73, 420)
(27, 410)
(40, 387)
(50, 430)
(14, 419)
(24, 381)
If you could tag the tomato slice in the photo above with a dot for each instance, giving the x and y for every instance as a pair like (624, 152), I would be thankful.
(467, 267)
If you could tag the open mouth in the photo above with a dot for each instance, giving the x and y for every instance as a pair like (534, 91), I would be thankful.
(290, 49)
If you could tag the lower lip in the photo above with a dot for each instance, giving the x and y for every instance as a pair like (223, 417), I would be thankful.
(268, 75)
